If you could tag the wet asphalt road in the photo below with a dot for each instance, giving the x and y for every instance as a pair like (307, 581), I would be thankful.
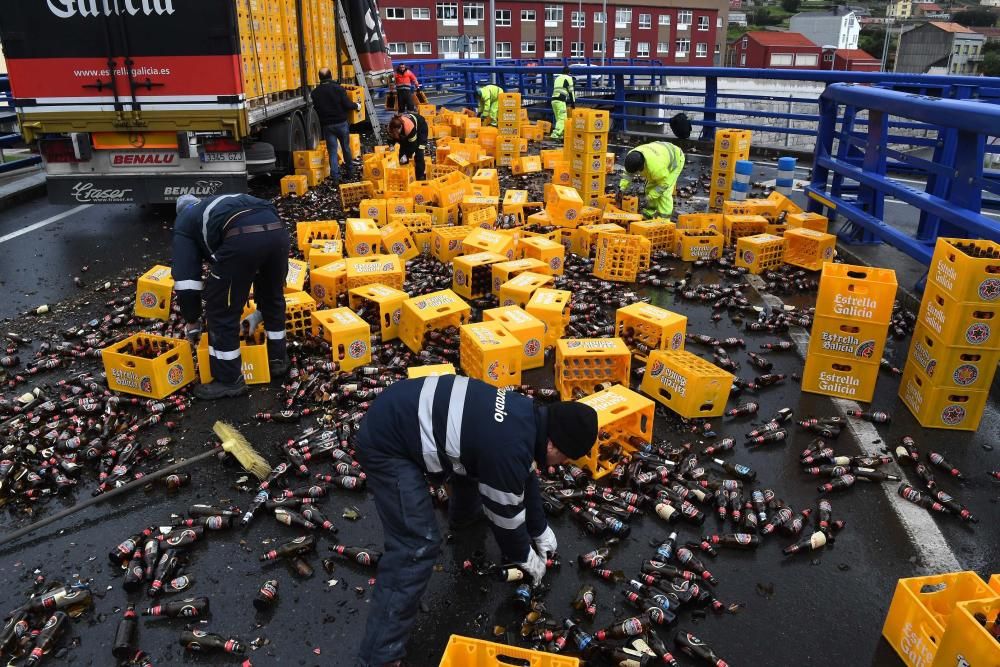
(821, 609)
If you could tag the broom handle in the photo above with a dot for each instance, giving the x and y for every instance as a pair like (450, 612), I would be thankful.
(134, 484)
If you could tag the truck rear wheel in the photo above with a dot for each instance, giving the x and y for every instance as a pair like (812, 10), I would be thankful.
(287, 135)
(314, 131)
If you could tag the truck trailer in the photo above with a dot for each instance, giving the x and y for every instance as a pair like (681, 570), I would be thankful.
(141, 101)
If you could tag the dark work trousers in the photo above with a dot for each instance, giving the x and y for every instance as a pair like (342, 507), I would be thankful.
(415, 150)
(405, 99)
(258, 260)
(412, 545)
(464, 502)
(339, 132)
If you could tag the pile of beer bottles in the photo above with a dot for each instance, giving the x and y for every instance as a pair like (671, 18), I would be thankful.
(956, 343)
(853, 312)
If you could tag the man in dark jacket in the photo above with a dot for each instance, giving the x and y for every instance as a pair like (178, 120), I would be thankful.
(488, 442)
(246, 244)
(409, 130)
(334, 106)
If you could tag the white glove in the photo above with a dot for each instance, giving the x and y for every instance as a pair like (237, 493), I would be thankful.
(546, 544)
(534, 566)
(250, 323)
(403, 159)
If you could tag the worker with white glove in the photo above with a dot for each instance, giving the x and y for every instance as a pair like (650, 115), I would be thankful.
(488, 443)
(409, 130)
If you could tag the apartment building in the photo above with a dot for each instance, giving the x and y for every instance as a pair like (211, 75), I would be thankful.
(781, 50)
(940, 48)
(673, 32)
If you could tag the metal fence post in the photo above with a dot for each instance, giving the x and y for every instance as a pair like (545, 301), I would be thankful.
(711, 103)
(620, 101)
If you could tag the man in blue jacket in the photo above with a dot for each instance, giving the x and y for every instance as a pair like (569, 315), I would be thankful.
(488, 442)
(246, 245)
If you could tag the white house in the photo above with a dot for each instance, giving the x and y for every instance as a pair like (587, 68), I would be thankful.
(837, 27)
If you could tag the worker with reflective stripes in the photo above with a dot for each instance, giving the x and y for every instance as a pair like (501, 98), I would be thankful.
(562, 94)
(246, 245)
(661, 164)
(406, 85)
(409, 130)
(488, 443)
(489, 104)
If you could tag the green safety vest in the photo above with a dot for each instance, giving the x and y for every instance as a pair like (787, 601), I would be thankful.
(562, 89)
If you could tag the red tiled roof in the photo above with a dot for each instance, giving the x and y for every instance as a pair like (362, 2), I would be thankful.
(855, 55)
(775, 38)
(928, 7)
(950, 27)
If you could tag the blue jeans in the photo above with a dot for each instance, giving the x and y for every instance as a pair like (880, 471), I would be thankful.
(338, 132)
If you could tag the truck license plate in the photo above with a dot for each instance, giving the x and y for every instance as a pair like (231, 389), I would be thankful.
(234, 156)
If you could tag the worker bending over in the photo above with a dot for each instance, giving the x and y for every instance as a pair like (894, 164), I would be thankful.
(661, 164)
(488, 442)
(246, 245)
(489, 104)
(409, 130)
(406, 86)
(562, 94)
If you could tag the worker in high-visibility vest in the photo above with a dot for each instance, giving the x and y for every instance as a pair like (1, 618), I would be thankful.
(489, 103)
(562, 95)
(660, 163)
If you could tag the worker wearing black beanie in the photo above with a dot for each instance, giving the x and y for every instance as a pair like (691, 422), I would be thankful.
(572, 428)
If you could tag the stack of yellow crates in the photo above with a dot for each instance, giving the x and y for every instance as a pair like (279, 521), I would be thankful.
(853, 311)
(508, 140)
(584, 149)
(956, 343)
(731, 146)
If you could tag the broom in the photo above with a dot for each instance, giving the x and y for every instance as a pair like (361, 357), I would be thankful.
(232, 443)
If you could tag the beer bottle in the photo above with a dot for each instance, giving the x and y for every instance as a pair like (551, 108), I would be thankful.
(135, 572)
(917, 498)
(873, 417)
(267, 596)
(123, 552)
(357, 554)
(187, 608)
(694, 647)
(508, 573)
(825, 513)
(743, 410)
(953, 505)
(724, 445)
(578, 637)
(630, 627)
(125, 635)
(209, 510)
(178, 584)
(737, 470)
(199, 641)
(940, 462)
(150, 556)
(46, 639)
(176, 539)
(301, 566)
(687, 558)
(290, 518)
(733, 540)
(837, 484)
(813, 542)
(585, 601)
(299, 545)
(660, 649)
(60, 598)
(164, 570)
(311, 513)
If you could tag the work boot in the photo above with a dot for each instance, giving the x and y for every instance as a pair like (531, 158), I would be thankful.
(279, 367)
(215, 390)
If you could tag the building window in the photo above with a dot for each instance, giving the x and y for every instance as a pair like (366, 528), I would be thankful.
(527, 47)
(598, 48)
(503, 18)
(683, 47)
(448, 46)
(623, 18)
(421, 48)
(578, 19)
(395, 13)
(598, 17)
(528, 15)
(663, 47)
(553, 47)
(623, 47)
(806, 60)
(447, 11)
(718, 22)
(473, 12)
(743, 60)
(703, 23)
(553, 15)
(780, 60)
(642, 49)
(576, 50)
(645, 21)
(828, 57)
(664, 19)
(684, 19)
(745, 43)
(477, 46)
(397, 48)
(503, 50)
(701, 50)
(717, 49)
(420, 14)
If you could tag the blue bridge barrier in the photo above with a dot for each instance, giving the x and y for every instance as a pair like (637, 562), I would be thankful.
(9, 140)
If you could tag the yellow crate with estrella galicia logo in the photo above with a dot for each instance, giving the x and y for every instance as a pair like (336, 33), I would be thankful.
(253, 359)
(661, 233)
(625, 418)
(322, 253)
(348, 335)
(966, 639)
(549, 252)
(958, 367)
(504, 271)
(587, 365)
(760, 252)
(397, 240)
(153, 293)
(490, 353)
(432, 370)
(518, 290)
(808, 248)
(362, 237)
(940, 407)
(472, 275)
(386, 269)
(315, 230)
(552, 307)
(858, 292)
(698, 244)
(488, 240)
(328, 282)
(967, 269)
(385, 302)
(686, 383)
(839, 376)
(527, 328)
(468, 652)
(446, 242)
(437, 310)
(148, 365)
(295, 279)
(645, 327)
(618, 256)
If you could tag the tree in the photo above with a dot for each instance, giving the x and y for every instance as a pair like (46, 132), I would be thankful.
(761, 16)
(982, 18)
(991, 64)
(872, 41)
(791, 6)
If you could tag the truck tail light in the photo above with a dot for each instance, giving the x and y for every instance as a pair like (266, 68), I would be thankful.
(58, 150)
(222, 145)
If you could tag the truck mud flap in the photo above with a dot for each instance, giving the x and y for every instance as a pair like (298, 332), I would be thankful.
(139, 189)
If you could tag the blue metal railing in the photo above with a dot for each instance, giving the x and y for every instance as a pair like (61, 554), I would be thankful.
(8, 114)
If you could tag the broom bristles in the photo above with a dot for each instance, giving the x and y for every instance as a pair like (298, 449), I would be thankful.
(234, 443)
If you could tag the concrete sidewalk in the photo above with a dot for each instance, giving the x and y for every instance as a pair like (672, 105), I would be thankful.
(21, 185)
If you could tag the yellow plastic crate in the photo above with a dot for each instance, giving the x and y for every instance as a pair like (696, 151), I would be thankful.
(784, 204)
(584, 240)
(423, 193)
(472, 203)
(489, 178)
(588, 365)
(763, 207)
(859, 292)
(472, 275)
(564, 205)
(836, 376)
(552, 307)
(549, 252)
(966, 642)
(813, 221)
(437, 310)
(972, 324)
(733, 140)
(446, 242)
(625, 417)
(484, 218)
(962, 276)
(352, 194)
(526, 164)
(348, 335)
(952, 366)
(416, 223)
(686, 383)
(528, 329)
(922, 608)
(653, 327)
(940, 407)
(298, 312)
(808, 248)
(314, 177)
(322, 253)
(362, 237)
(153, 293)
(504, 271)
(397, 240)
(294, 186)
(736, 227)
(590, 120)
(385, 269)
(397, 206)
(440, 216)
(398, 179)
(695, 244)
(659, 232)
(316, 230)
(847, 338)
(618, 257)
(760, 252)
(168, 371)
(328, 282)
(253, 357)
(433, 370)
(487, 240)
(374, 210)
(518, 290)
(452, 188)
(387, 300)
(701, 221)
(490, 353)
(467, 652)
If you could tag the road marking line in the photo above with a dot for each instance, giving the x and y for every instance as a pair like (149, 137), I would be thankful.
(43, 223)
(925, 535)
